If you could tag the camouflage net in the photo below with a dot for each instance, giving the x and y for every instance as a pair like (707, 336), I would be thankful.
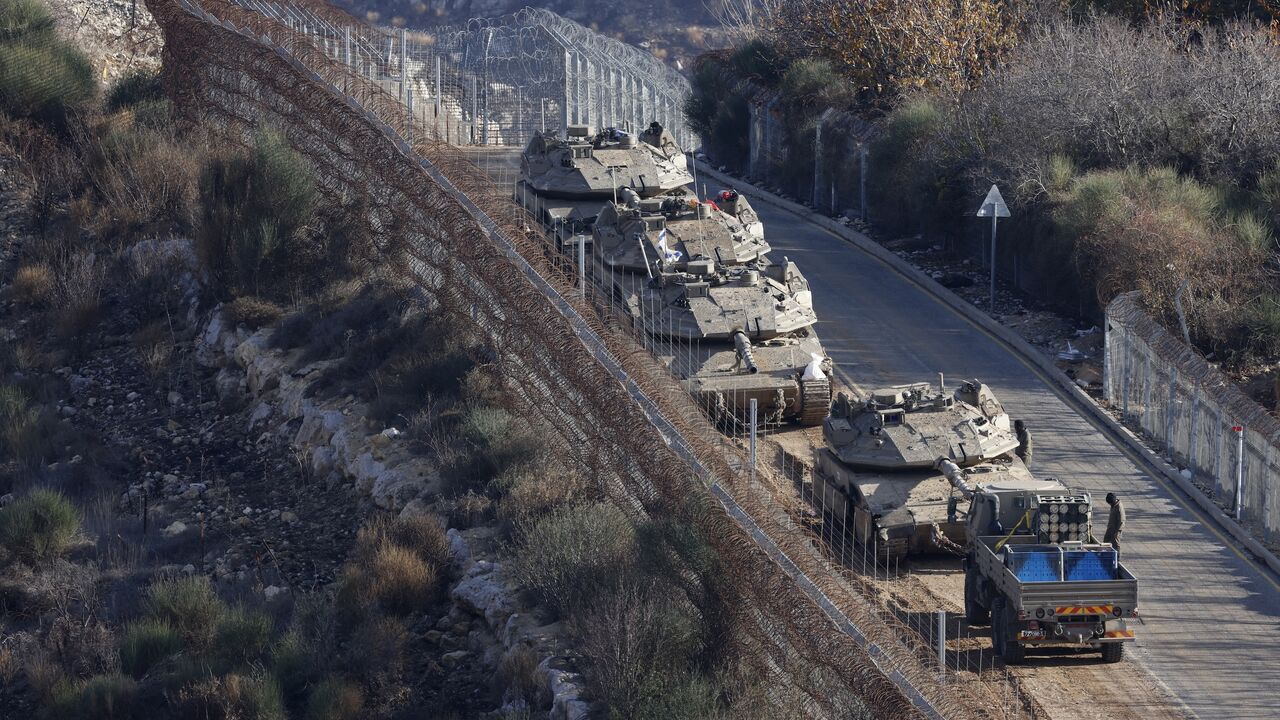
(438, 220)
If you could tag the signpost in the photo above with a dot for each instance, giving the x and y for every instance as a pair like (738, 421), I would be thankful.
(995, 208)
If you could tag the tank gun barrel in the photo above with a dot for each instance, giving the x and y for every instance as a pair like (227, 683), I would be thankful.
(955, 476)
(743, 345)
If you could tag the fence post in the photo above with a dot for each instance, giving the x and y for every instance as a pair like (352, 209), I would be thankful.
(753, 439)
(1239, 431)
(439, 89)
(404, 68)
(1168, 414)
(942, 644)
(862, 181)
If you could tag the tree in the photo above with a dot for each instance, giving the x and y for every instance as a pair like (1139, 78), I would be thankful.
(889, 46)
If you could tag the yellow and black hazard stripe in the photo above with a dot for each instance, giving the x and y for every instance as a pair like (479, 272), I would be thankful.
(1084, 610)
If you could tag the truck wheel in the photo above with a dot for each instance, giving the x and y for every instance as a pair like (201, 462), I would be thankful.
(1003, 626)
(974, 613)
(1112, 652)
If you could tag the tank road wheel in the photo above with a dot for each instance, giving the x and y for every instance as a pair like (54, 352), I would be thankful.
(974, 613)
(1112, 652)
(815, 401)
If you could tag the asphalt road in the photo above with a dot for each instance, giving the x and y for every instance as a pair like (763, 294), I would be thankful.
(1212, 631)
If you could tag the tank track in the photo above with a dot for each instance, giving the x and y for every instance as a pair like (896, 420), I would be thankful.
(815, 401)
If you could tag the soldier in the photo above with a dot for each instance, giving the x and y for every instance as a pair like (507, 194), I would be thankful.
(1115, 521)
(1024, 442)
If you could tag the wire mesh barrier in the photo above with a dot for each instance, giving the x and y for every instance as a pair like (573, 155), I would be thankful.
(610, 406)
(1228, 443)
(495, 81)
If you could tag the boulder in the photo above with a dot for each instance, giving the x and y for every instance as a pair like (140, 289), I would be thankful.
(486, 594)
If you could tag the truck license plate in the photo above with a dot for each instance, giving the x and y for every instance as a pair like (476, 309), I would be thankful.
(1031, 634)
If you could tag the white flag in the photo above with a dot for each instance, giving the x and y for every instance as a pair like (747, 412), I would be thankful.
(667, 254)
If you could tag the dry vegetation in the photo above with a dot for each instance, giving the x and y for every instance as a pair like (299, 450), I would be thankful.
(97, 623)
(1136, 141)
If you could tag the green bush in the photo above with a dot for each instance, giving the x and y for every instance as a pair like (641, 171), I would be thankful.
(25, 20)
(135, 87)
(45, 82)
(103, 697)
(254, 237)
(40, 526)
(24, 435)
(295, 665)
(242, 636)
(568, 556)
(904, 176)
(335, 699)
(147, 643)
(189, 605)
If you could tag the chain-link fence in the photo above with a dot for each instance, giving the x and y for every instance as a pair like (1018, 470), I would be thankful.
(1229, 444)
(495, 81)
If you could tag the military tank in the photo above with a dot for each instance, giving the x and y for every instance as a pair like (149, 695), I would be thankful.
(564, 182)
(878, 472)
(739, 327)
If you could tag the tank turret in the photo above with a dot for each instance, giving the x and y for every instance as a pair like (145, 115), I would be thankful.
(912, 426)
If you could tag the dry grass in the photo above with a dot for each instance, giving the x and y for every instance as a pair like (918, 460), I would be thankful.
(254, 312)
(532, 491)
(335, 699)
(155, 343)
(81, 277)
(519, 677)
(400, 581)
(34, 284)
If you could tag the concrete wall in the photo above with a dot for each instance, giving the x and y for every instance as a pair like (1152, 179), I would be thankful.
(1189, 407)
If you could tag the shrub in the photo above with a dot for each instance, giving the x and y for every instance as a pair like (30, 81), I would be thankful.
(26, 20)
(423, 535)
(189, 605)
(295, 666)
(242, 636)
(399, 581)
(639, 642)
(45, 81)
(254, 312)
(81, 277)
(146, 643)
(376, 650)
(531, 490)
(147, 181)
(496, 442)
(23, 435)
(335, 699)
(103, 697)
(253, 234)
(406, 380)
(567, 556)
(518, 675)
(134, 87)
(40, 526)
(235, 697)
(33, 284)
(902, 169)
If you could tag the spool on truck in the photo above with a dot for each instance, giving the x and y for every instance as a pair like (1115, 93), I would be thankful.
(1035, 573)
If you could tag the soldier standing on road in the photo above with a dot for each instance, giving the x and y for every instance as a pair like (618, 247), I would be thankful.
(1115, 522)
(1024, 442)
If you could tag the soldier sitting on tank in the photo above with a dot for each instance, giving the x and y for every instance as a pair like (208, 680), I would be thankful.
(1024, 442)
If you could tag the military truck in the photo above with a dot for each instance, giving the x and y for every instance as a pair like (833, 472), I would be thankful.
(564, 182)
(1034, 571)
(876, 475)
(736, 325)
